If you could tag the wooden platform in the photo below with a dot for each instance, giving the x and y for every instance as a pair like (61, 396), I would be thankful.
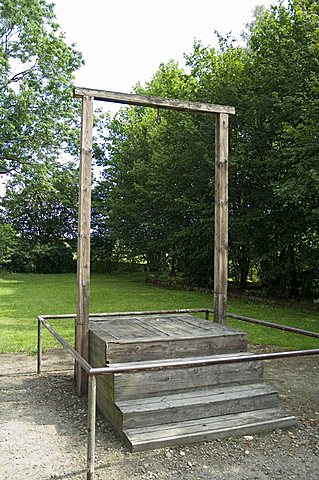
(154, 337)
(151, 409)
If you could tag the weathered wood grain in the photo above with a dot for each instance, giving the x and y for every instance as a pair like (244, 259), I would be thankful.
(97, 347)
(221, 219)
(180, 348)
(109, 410)
(135, 338)
(201, 430)
(152, 383)
(152, 327)
(83, 252)
(155, 407)
(165, 103)
(196, 404)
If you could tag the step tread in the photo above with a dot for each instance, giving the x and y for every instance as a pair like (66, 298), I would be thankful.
(196, 397)
(208, 428)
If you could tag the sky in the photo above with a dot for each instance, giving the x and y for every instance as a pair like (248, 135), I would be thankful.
(124, 41)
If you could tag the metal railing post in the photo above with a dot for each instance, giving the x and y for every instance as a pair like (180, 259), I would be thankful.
(39, 351)
(93, 372)
(91, 427)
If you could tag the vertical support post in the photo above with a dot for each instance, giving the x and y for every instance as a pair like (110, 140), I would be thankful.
(75, 362)
(39, 353)
(91, 427)
(221, 219)
(83, 255)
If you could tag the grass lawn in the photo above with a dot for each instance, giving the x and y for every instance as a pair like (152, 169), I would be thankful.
(23, 297)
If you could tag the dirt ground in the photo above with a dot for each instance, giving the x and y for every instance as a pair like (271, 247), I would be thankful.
(43, 431)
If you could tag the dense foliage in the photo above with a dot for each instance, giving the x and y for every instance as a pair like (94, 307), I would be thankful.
(160, 175)
(38, 125)
(36, 71)
(154, 202)
(41, 206)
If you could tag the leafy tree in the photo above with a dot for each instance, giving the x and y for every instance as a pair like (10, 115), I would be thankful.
(36, 72)
(273, 164)
(281, 106)
(38, 117)
(8, 241)
(157, 175)
(41, 207)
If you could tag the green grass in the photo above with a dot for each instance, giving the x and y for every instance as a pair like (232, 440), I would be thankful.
(23, 297)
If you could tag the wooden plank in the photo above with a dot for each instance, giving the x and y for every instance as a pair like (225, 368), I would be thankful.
(106, 387)
(177, 348)
(184, 326)
(195, 397)
(109, 410)
(150, 327)
(146, 438)
(221, 219)
(103, 332)
(83, 255)
(196, 404)
(143, 384)
(191, 359)
(105, 383)
(97, 359)
(154, 327)
(171, 339)
(156, 102)
(97, 347)
(198, 325)
(130, 329)
(166, 327)
(203, 325)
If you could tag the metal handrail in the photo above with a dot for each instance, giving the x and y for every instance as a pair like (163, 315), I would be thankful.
(93, 372)
(285, 328)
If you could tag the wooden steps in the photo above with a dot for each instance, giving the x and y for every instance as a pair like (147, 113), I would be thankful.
(200, 430)
(195, 405)
(127, 387)
(159, 408)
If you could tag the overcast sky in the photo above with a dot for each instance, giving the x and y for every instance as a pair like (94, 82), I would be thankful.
(124, 41)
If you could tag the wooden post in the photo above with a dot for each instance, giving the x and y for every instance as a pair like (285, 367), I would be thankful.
(221, 219)
(221, 202)
(84, 225)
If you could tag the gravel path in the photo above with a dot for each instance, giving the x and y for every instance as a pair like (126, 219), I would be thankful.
(43, 431)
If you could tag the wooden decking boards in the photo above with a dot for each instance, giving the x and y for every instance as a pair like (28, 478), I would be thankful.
(152, 409)
(147, 438)
(195, 405)
(155, 337)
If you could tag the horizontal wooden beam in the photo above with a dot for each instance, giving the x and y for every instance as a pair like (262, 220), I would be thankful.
(156, 102)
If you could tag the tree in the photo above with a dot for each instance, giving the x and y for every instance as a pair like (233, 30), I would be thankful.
(38, 129)
(272, 82)
(8, 242)
(37, 112)
(159, 175)
(281, 107)
(41, 206)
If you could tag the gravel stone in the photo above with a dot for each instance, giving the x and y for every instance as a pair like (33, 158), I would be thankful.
(43, 431)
